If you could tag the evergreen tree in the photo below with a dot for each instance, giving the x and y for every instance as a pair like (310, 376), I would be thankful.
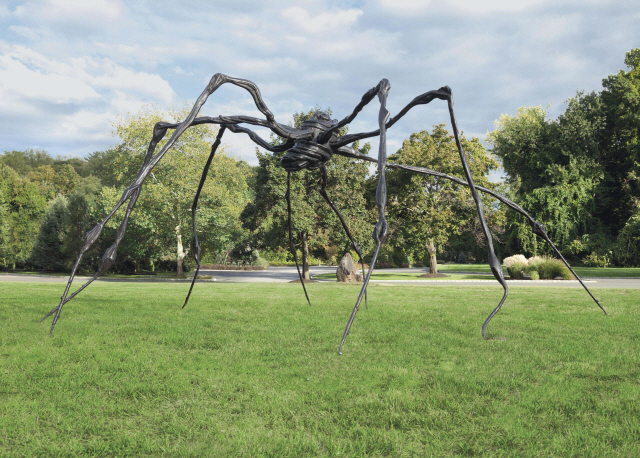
(48, 249)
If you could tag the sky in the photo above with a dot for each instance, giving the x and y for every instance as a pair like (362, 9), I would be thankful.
(70, 68)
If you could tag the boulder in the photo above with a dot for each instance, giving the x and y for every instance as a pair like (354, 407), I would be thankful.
(347, 271)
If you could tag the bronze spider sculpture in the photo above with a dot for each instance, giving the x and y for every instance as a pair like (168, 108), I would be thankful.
(309, 146)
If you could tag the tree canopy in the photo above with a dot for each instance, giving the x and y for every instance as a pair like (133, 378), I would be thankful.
(579, 173)
(425, 212)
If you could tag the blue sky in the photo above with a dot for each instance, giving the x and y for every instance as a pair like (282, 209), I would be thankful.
(69, 68)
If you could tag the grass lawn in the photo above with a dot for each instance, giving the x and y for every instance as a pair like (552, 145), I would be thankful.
(386, 275)
(599, 272)
(251, 370)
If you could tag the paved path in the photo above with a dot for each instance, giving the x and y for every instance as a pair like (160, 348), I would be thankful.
(287, 274)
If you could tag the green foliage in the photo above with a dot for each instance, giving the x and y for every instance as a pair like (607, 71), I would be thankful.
(24, 207)
(160, 226)
(398, 257)
(596, 260)
(549, 268)
(516, 270)
(262, 262)
(48, 248)
(77, 223)
(627, 248)
(578, 174)
(26, 161)
(423, 208)
(4, 230)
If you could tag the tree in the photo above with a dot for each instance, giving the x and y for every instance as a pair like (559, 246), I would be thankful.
(315, 226)
(424, 212)
(580, 173)
(26, 161)
(163, 212)
(47, 251)
(620, 140)
(76, 224)
(26, 207)
(4, 228)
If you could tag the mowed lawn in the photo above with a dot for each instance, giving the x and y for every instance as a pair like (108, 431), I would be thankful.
(251, 370)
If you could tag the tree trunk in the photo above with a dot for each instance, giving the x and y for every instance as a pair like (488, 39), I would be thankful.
(433, 262)
(305, 256)
(180, 253)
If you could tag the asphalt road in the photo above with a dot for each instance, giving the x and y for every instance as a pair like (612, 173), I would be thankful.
(287, 274)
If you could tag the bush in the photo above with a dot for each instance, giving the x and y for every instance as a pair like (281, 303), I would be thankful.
(534, 275)
(627, 248)
(398, 258)
(262, 262)
(230, 267)
(515, 259)
(550, 268)
(595, 260)
(516, 270)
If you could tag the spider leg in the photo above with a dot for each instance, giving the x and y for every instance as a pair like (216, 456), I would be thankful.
(537, 228)
(291, 246)
(92, 236)
(444, 93)
(133, 191)
(234, 128)
(323, 193)
(203, 178)
(496, 268)
(381, 229)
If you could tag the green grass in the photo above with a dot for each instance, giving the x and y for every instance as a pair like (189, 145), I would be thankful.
(128, 373)
(386, 275)
(87, 274)
(581, 271)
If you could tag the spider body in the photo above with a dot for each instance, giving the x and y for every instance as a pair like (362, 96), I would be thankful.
(310, 154)
(309, 147)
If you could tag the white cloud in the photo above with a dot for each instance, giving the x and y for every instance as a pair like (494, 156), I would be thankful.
(114, 76)
(19, 81)
(79, 12)
(26, 32)
(181, 71)
(322, 23)
(417, 7)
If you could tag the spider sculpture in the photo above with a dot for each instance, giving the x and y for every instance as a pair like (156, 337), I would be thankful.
(309, 146)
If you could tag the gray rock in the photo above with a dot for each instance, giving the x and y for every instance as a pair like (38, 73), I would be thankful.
(347, 271)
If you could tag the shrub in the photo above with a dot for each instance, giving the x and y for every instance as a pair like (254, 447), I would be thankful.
(627, 248)
(550, 268)
(262, 262)
(398, 258)
(515, 259)
(516, 270)
(534, 275)
(596, 260)
(533, 263)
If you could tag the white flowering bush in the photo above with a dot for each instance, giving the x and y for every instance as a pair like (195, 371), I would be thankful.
(515, 259)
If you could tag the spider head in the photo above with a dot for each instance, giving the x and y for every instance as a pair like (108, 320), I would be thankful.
(318, 123)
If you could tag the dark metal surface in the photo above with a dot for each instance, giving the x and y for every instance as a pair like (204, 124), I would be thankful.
(309, 147)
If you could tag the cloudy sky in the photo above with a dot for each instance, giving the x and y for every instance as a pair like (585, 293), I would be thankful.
(68, 68)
